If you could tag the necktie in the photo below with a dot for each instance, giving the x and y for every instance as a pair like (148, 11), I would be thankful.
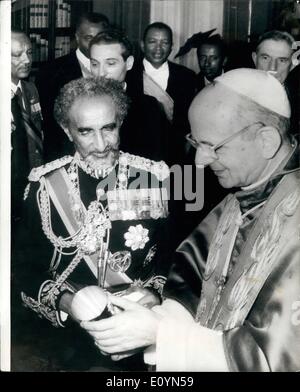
(32, 131)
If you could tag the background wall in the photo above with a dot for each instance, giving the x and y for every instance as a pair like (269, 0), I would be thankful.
(236, 20)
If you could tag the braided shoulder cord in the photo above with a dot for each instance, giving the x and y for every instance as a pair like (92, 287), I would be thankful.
(43, 201)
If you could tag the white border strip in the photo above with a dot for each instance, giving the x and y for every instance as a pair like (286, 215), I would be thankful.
(5, 151)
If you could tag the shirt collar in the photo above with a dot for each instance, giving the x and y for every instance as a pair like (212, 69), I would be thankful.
(149, 67)
(208, 82)
(14, 87)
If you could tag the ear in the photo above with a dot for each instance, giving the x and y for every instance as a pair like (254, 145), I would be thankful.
(129, 63)
(254, 57)
(225, 62)
(269, 141)
(68, 133)
(76, 36)
(142, 46)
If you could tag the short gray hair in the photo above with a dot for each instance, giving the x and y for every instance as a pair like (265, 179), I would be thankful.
(276, 35)
(90, 87)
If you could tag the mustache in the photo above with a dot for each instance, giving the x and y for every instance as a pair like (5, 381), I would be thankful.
(108, 148)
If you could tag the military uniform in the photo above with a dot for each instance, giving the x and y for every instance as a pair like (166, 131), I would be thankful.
(85, 230)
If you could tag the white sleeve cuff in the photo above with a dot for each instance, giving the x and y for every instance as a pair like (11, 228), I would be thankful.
(184, 345)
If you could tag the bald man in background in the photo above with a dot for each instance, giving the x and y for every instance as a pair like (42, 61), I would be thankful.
(232, 296)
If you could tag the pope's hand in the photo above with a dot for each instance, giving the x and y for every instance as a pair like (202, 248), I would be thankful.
(134, 327)
(147, 298)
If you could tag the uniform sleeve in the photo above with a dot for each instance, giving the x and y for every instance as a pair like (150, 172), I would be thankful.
(32, 246)
(36, 283)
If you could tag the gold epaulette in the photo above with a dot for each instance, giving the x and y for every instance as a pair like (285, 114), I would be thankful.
(40, 171)
(159, 169)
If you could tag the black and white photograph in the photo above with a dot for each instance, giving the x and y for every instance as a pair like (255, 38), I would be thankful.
(150, 188)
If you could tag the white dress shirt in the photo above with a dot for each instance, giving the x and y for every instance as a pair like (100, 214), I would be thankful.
(160, 75)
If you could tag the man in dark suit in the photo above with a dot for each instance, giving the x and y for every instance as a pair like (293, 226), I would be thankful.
(26, 131)
(143, 131)
(26, 153)
(172, 84)
(61, 71)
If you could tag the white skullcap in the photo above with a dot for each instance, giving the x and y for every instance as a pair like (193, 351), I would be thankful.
(260, 86)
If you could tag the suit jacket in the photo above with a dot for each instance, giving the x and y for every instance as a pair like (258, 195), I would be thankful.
(200, 83)
(292, 85)
(25, 154)
(144, 130)
(182, 88)
(51, 78)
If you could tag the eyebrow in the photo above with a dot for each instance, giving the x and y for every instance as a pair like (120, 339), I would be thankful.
(109, 126)
(83, 129)
(106, 59)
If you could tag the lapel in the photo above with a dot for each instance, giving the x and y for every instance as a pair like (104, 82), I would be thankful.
(170, 79)
(74, 67)
(26, 97)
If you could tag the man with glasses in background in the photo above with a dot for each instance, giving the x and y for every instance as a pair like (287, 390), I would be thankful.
(231, 298)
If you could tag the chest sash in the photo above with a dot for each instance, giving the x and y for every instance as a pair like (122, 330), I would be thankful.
(153, 89)
(58, 186)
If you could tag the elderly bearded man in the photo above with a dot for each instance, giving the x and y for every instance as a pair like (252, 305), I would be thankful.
(87, 221)
(231, 295)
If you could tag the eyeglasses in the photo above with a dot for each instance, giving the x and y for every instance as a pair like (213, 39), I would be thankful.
(208, 152)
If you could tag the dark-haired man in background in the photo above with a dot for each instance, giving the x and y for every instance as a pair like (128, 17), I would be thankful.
(211, 55)
(144, 130)
(59, 72)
